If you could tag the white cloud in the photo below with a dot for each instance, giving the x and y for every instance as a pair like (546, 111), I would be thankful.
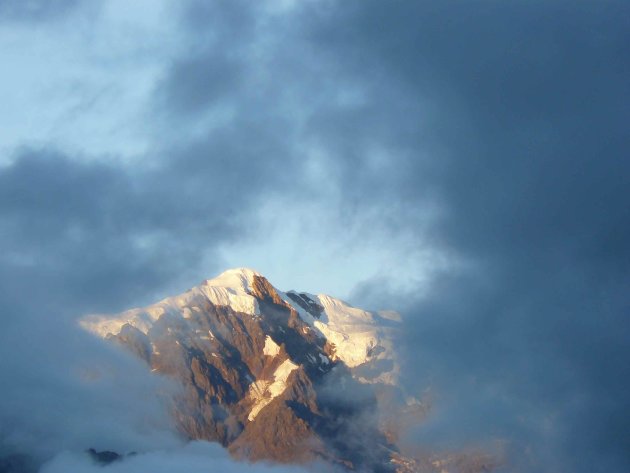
(63, 390)
(195, 457)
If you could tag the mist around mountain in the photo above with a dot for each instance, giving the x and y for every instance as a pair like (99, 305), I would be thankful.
(232, 375)
(287, 377)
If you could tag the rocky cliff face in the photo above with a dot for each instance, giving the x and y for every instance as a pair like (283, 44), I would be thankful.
(288, 377)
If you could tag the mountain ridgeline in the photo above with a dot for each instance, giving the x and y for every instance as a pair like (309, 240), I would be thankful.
(286, 377)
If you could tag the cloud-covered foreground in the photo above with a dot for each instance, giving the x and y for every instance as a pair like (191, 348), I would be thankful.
(62, 389)
(195, 457)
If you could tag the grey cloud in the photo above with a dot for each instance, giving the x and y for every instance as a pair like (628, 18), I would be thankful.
(214, 68)
(36, 10)
(526, 142)
(194, 457)
(96, 235)
(220, 19)
(197, 82)
(65, 390)
(85, 233)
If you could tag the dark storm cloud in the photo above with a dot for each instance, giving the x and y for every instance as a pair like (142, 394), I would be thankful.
(90, 234)
(98, 235)
(527, 146)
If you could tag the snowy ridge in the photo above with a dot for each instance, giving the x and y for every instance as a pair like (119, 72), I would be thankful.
(359, 337)
(231, 288)
(264, 391)
(271, 348)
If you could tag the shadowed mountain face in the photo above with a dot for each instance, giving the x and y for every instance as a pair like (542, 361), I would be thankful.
(287, 377)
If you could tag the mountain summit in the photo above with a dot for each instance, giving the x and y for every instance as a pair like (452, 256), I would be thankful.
(282, 376)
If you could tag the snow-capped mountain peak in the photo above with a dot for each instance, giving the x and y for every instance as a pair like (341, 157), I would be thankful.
(237, 279)
(356, 334)
(249, 354)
